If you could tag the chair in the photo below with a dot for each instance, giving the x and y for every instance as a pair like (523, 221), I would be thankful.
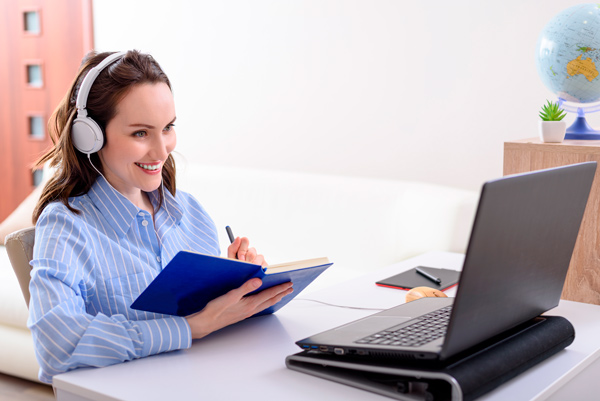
(19, 247)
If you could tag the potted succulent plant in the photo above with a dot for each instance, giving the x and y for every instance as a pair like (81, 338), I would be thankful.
(552, 128)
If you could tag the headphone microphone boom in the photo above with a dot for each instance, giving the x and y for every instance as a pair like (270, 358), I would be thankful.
(86, 134)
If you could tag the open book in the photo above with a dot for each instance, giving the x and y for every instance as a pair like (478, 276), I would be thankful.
(191, 280)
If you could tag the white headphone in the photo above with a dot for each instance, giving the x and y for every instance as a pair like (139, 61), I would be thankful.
(86, 134)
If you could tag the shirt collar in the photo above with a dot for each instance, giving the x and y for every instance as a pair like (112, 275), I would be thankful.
(120, 212)
(116, 208)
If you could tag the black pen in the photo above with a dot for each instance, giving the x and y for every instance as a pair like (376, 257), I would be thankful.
(423, 273)
(230, 234)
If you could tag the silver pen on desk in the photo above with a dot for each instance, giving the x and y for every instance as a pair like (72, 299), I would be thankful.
(423, 273)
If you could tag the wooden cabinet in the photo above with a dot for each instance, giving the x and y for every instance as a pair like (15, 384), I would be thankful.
(583, 279)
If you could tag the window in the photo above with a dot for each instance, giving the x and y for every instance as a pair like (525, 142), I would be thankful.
(31, 20)
(37, 177)
(36, 127)
(34, 75)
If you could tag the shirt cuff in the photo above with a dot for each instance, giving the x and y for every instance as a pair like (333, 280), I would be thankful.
(162, 335)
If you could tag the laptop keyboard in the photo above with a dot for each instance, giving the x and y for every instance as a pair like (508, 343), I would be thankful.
(429, 327)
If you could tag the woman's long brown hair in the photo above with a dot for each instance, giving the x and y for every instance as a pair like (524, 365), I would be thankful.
(74, 174)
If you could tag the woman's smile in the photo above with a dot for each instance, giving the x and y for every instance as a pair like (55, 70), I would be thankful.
(150, 168)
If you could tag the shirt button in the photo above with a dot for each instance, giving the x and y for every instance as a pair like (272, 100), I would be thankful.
(145, 223)
(141, 214)
(158, 259)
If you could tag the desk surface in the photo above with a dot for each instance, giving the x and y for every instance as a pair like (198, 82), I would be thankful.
(247, 360)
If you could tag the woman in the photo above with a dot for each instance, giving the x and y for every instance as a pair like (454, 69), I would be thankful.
(109, 220)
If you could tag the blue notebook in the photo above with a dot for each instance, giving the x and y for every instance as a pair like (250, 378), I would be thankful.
(191, 280)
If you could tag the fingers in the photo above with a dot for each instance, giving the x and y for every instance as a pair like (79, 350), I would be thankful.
(254, 283)
(240, 249)
(275, 297)
(243, 249)
(253, 257)
(260, 260)
(233, 248)
(223, 311)
(270, 296)
(235, 306)
(251, 254)
(249, 286)
(262, 299)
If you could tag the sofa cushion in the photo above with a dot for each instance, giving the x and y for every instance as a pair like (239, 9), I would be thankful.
(13, 310)
(359, 223)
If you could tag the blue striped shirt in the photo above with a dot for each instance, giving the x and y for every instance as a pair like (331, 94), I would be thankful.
(88, 269)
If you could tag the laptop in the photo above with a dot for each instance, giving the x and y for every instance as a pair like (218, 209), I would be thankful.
(517, 258)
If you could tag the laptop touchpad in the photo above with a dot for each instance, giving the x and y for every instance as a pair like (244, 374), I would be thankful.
(373, 324)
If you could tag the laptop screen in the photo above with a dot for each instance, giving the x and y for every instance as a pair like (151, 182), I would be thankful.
(519, 252)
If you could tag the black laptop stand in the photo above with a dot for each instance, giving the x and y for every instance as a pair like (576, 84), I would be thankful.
(465, 377)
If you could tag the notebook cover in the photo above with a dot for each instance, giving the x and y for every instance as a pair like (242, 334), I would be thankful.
(411, 279)
(191, 280)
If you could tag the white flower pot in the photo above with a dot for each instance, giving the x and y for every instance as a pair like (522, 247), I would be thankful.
(552, 131)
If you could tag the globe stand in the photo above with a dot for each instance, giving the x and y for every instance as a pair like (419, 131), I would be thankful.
(580, 129)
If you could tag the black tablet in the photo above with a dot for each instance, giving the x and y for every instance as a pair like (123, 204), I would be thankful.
(426, 278)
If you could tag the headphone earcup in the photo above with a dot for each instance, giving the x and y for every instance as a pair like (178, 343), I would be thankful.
(87, 135)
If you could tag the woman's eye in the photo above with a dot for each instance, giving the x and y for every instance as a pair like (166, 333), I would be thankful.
(139, 134)
(169, 127)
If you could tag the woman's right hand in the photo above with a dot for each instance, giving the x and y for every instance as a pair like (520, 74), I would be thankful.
(234, 306)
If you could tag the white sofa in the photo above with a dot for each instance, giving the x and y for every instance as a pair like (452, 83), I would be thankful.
(359, 223)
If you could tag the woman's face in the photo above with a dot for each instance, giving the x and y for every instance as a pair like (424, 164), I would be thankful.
(138, 140)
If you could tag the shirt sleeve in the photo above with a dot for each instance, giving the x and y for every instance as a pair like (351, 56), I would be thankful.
(66, 335)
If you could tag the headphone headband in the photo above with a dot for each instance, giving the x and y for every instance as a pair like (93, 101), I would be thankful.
(88, 81)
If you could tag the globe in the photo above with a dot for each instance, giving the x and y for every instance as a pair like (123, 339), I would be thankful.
(568, 63)
(568, 53)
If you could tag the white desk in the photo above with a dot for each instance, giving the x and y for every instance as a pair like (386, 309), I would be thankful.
(247, 361)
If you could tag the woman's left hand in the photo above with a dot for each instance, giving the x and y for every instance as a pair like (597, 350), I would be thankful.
(240, 249)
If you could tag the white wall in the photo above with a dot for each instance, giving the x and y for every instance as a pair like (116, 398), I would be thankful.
(394, 89)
